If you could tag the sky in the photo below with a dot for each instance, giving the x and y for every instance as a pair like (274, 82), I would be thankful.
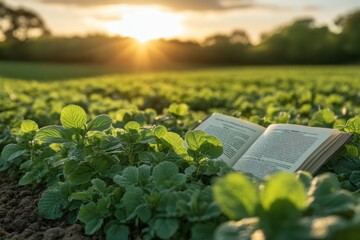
(184, 19)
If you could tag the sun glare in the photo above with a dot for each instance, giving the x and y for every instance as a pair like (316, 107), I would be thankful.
(146, 23)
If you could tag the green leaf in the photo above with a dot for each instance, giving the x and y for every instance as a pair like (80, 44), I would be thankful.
(166, 203)
(51, 204)
(100, 123)
(211, 147)
(102, 165)
(66, 189)
(322, 118)
(132, 126)
(132, 198)
(340, 203)
(26, 179)
(29, 126)
(326, 197)
(194, 139)
(352, 150)
(166, 228)
(164, 171)
(355, 178)
(279, 187)
(236, 196)
(73, 116)
(324, 184)
(117, 232)
(151, 157)
(178, 179)
(81, 174)
(241, 230)
(201, 231)
(129, 177)
(89, 216)
(305, 177)
(180, 110)
(320, 228)
(94, 225)
(190, 170)
(353, 125)
(52, 134)
(347, 232)
(160, 131)
(175, 141)
(12, 151)
(70, 166)
(144, 173)
(102, 206)
(87, 212)
(143, 212)
(99, 185)
(346, 164)
(82, 196)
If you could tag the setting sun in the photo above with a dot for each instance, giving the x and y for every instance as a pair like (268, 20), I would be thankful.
(146, 23)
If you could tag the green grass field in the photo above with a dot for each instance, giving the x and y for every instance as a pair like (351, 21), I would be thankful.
(246, 90)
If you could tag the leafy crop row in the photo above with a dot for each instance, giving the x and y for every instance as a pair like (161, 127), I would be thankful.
(149, 182)
(123, 180)
(263, 95)
(129, 173)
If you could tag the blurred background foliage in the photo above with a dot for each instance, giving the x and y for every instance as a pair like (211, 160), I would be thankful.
(25, 37)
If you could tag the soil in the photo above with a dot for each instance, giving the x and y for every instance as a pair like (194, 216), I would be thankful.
(19, 218)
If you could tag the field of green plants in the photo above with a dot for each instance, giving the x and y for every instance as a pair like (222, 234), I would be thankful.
(117, 153)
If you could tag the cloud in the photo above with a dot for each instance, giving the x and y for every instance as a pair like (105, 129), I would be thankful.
(312, 8)
(196, 5)
(106, 17)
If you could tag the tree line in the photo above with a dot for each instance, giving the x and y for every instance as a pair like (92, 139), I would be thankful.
(25, 37)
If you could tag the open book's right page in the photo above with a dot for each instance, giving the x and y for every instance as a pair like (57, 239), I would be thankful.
(281, 147)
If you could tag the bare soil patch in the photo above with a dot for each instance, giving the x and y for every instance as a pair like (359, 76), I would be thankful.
(20, 220)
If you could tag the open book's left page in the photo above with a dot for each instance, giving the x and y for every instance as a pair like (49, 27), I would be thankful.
(236, 135)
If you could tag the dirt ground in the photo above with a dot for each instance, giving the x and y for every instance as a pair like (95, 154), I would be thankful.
(19, 218)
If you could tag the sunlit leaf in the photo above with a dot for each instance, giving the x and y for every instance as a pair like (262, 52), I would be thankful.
(194, 139)
(179, 110)
(236, 196)
(73, 116)
(175, 141)
(100, 123)
(132, 126)
(29, 126)
(322, 118)
(211, 147)
(160, 131)
(283, 186)
(353, 125)
(52, 134)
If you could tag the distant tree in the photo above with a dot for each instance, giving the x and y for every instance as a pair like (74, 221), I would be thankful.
(227, 49)
(300, 42)
(239, 37)
(20, 24)
(349, 37)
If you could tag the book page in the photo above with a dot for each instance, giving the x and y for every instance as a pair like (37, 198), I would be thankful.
(236, 135)
(282, 147)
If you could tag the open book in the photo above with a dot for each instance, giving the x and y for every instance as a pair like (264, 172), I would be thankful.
(261, 151)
